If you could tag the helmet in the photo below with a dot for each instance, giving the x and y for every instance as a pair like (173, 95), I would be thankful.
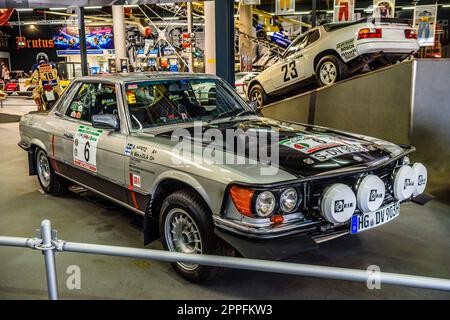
(41, 57)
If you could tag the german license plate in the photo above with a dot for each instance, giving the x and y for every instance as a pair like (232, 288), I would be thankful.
(369, 220)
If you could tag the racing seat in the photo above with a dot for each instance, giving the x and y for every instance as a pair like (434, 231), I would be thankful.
(105, 103)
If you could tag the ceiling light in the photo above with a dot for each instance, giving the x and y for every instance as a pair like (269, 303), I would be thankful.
(58, 9)
(93, 7)
(408, 8)
(24, 9)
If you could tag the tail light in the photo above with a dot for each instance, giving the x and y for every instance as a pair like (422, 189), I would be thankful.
(410, 34)
(242, 199)
(369, 33)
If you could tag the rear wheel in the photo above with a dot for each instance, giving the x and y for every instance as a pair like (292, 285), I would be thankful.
(186, 226)
(258, 95)
(50, 182)
(329, 70)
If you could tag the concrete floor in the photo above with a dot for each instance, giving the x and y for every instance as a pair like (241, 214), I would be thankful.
(415, 243)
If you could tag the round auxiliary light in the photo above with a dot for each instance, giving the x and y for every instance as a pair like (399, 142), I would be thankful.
(338, 203)
(288, 200)
(265, 204)
(404, 183)
(421, 176)
(370, 194)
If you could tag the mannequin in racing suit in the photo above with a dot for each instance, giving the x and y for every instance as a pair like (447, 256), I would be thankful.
(43, 74)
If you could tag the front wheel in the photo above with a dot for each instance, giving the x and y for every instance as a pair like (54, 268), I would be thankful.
(186, 226)
(329, 70)
(50, 182)
(258, 95)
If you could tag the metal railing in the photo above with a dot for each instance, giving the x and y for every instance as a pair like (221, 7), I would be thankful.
(48, 242)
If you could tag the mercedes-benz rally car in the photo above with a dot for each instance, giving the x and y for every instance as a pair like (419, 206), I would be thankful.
(298, 185)
(332, 52)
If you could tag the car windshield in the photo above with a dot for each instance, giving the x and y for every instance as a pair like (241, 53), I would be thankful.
(159, 103)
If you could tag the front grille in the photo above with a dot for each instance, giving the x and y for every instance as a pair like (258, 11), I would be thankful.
(317, 187)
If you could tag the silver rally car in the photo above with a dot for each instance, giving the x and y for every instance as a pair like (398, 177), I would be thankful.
(119, 136)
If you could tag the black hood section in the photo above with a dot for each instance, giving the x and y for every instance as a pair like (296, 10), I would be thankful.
(303, 150)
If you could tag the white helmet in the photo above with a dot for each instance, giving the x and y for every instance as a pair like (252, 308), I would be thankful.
(41, 57)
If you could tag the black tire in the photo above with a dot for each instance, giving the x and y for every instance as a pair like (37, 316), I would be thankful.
(188, 202)
(257, 94)
(337, 71)
(54, 185)
(261, 34)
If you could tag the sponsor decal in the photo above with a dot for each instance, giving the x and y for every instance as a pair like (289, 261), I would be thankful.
(310, 143)
(338, 151)
(374, 195)
(347, 49)
(340, 205)
(136, 180)
(131, 98)
(85, 147)
(322, 147)
(408, 183)
(139, 152)
(421, 180)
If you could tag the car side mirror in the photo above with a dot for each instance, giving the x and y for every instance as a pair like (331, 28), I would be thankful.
(106, 121)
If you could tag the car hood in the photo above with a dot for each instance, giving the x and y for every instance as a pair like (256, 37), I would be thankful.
(303, 150)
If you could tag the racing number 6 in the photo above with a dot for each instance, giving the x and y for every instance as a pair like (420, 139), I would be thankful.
(290, 71)
(86, 151)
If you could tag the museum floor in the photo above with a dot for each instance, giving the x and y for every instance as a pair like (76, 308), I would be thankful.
(416, 243)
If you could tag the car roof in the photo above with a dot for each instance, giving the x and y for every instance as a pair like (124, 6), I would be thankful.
(145, 76)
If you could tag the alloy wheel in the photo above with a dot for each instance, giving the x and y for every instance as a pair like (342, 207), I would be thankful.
(182, 235)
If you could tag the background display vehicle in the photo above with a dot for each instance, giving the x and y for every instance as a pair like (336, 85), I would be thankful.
(242, 80)
(332, 52)
(19, 84)
(114, 135)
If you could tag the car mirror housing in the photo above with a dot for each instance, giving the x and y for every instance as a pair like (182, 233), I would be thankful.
(106, 121)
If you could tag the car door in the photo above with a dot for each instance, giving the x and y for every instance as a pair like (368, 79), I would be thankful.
(96, 156)
(289, 69)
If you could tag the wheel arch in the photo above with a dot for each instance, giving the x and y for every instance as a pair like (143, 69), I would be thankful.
(323, 54)
(166, 184)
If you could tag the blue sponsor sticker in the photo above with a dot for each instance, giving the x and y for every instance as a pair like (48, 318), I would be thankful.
(128, 148)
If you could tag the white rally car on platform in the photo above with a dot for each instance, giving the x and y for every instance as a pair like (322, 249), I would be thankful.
(332, 52)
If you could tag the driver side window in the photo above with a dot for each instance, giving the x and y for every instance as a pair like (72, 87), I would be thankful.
(92, 99)
(297, 45)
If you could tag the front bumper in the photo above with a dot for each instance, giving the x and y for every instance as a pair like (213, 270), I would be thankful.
(272, 249)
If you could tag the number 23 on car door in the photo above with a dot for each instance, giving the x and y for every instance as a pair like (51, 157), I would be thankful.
(85, 147)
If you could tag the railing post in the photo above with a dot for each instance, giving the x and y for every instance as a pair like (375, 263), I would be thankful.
(49, 257)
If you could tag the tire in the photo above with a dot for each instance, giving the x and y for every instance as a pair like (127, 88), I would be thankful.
(257, 94)
(50, 182)
(261, 34)
(330, 70)
(184, 211)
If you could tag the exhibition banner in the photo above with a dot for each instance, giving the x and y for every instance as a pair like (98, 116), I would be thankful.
(284, 7)
(425, 23)
(383, 9)
(343, 10)
(96, 38)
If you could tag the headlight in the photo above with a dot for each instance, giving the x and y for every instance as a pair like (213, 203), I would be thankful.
(288, 200)
(404, 183)
(265, 204)
(422, 176)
